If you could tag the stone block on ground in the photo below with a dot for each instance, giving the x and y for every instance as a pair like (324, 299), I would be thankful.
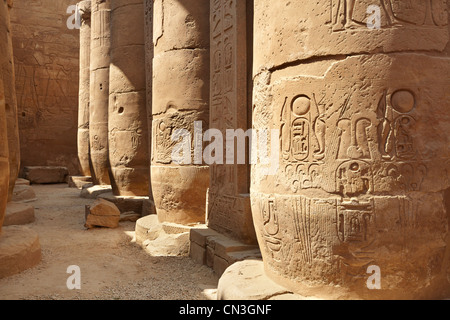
(246, 280)
(23, 193)
(130, 216)
(148, 207)
(168, 245)
(79, 182)
(218, 251)
(46, 175)
(92, 192)
(125, 203)
(102, 214)
(19, 250)
(152, 236)
(18, 214)
(147, 228)
(22, 182)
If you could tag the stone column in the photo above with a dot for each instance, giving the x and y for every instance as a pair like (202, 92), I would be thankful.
(180, 98)
(84, 96)
(360, 113)
(128, 130)
(19, 246)
(229, 209)
(4, 156)
(7, 65)
(149, 49)
(99, 91)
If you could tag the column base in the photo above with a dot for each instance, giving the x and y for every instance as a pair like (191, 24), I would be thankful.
(23, 194)
(126, 204)
(92, 192)
(246, 280)
(217, 251)
(19, 250)
(18, 214)
(22, 182)
(162, 239)
(79, 182)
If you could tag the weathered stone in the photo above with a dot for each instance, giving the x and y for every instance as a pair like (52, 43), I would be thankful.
(23, 194)
(125, 203)
(147, 228)
(228, 207)
(99, 91)
(128, 129)
(18, 214)
(362, 147)
(4, 156)
(197, 253)
(7, 65)
(22, 182)
(19, 250)
(148, 207)
(102, 214)
(200, 234)
(174, 228)
(79, 181)
(168, 245)
(84, 95)
(46, 175)
(149, 49)
(180, 97)
(217, 250)
(46, 66)
(247, 280)
(92, 192)
(179, 193)
(130, 216)
(161, 239)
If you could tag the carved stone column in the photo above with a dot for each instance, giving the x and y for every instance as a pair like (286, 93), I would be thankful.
(149, 49)
(229, 209)
(7, 65)
(84, 96)
(180, 98)
(362, 186)
(4, 156)
(128, 130)
(99, 90)
(19, 246)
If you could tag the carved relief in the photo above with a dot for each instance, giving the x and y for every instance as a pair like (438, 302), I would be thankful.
(352, 14)
(355, 222)
(407, 176)
(302, 130)
(271, 228)
(165, 127)
(219, 211)
(354, 178)
(396, 125)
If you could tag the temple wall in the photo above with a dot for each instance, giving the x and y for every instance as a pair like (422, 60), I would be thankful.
(46, 57)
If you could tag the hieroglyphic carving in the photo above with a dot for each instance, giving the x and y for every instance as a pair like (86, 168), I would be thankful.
(229, 112)
(271, 228)
(354, 178)
(164, 129)
(352, 14)
(396, 125)
(387, 132)
(355, 221)
(302, 129)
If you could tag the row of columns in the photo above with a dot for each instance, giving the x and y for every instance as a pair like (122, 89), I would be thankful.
(113, 131)
(361, 178)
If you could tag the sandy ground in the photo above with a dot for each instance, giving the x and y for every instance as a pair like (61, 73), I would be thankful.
(112, 265)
